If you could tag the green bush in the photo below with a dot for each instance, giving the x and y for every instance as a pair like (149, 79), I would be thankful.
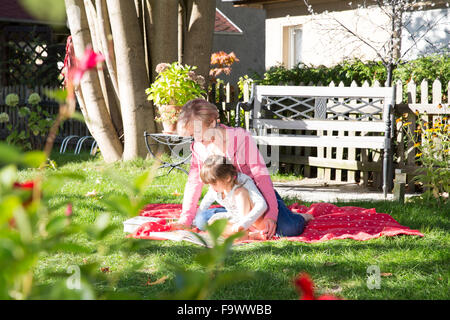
(430, 67)
(38, 122)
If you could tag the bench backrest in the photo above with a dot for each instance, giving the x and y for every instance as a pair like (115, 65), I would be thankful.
(323, 108)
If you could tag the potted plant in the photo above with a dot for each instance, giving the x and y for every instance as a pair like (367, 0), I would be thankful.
(174, 85)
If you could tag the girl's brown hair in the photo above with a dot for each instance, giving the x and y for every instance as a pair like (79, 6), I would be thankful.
(216, 168)
(196, 109)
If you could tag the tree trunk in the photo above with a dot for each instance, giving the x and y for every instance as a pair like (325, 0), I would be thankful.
(109, 87)
(137, 114)
(199, 35)
(162, 32)
(95, 112)
(134, 36)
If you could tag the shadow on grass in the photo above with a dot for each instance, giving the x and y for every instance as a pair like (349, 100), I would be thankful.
(275, 280)
(62, 159)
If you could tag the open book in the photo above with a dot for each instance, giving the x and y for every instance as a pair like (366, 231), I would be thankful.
(180, 235)
(132, 224)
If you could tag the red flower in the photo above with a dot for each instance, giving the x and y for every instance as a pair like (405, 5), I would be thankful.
(305, 288)
(27, 185)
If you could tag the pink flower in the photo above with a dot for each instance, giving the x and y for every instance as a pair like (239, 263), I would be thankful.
(89, 61)
(161, 67)
(68, 212)
(74, 69)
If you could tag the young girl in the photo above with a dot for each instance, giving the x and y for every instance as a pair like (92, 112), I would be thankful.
(240, 197)
(199, 119)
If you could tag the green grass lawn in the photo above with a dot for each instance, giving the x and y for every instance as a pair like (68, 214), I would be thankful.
(412, 267)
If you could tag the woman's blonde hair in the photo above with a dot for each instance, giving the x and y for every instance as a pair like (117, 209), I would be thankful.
(216, 168)
(198, 109)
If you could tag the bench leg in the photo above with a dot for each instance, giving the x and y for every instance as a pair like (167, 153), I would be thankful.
(387, 160)
(385, 171)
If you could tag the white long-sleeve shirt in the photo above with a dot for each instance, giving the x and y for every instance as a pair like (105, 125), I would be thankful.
(233, 213)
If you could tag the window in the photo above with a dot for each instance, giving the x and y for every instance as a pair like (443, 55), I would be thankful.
(292, 46)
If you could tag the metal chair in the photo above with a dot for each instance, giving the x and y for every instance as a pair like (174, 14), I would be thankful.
(175, 143)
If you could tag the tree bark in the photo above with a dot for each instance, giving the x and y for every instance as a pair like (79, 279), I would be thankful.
(96, 113)
(110, 93)
(161, 29)
(199, 36)
(137, 114)
(162, 32)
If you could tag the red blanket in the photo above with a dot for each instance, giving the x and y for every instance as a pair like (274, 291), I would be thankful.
(330, 222)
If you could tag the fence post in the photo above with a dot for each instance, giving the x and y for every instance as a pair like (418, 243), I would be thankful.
(399, 185)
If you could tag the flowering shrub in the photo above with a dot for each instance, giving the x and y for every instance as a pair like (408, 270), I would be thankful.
(34, 98)
(432, 145)
(37, 123)
(221, 63)
(12, 100)
(4, 117)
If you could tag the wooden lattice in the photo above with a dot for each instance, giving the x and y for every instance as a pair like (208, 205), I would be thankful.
(29, 57)
(297, 108)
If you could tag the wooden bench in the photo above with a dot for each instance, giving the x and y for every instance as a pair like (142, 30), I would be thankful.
(317, 110)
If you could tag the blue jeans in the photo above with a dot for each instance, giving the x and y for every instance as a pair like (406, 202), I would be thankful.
(201, 219)
(289, 224)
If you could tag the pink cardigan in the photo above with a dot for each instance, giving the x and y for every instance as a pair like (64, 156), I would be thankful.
(245, 156)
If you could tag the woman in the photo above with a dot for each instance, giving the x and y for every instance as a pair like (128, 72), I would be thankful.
(198, 119)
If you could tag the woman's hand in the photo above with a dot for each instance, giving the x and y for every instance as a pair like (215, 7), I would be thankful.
(270, 227)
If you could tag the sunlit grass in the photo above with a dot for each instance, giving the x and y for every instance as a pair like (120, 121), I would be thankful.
(411, 267)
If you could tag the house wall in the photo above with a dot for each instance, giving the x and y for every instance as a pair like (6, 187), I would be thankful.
(249, 47)
(438, 39)
(324, 42)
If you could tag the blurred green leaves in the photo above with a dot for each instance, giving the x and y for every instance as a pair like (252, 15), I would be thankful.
(201, 284)
(31, 229)
(12, 155)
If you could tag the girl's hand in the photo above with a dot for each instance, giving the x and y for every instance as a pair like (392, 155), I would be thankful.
(177, 225)
(236, 228)
(270, 228)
